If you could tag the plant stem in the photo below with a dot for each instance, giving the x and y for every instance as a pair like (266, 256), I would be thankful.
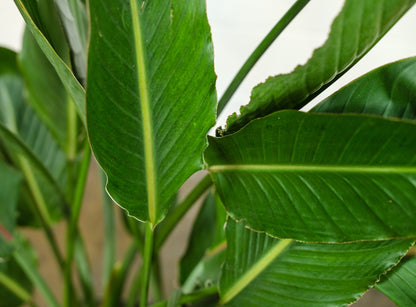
(72, 230)
(118, 277)
(109, 231)
(16, 289)
(191, 297)
(147, 263)
(23, 259)
(259, 51)
(179, 211)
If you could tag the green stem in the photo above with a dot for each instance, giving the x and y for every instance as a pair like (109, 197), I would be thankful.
(16, 289)
(109, 231)
(191, 297)
(147, 263)
(118, 277)
(259, 51)
(84, 272)
(179, 211)
(23, 259)
(72, 230)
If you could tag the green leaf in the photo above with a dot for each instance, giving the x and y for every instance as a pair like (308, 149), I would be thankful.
(400, 284)
(74, 19)
(9, 189)
(358, 27)
(150, 99)
(30, 11)
(388, 91)
(263, 271)
(27, 143)
(43, 89)
(206, 241)
(319, 177)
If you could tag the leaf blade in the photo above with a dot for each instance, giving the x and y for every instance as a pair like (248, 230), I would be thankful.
(318, 177)
(158, 115)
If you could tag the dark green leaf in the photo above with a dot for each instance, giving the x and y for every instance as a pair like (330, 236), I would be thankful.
(150, 99)
(359, 26)
(263, 271)
(27, 142)
(10, 181)
(32, 14)
(207, 233)
(73, 14)
(389, 91)
(400, 284)
(319, 177)
(44, 90)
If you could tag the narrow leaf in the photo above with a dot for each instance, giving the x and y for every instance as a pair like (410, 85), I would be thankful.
(261, 270)
(388, 91)
(30, 12)
(319, 177)
(358, 27)
(150, 98)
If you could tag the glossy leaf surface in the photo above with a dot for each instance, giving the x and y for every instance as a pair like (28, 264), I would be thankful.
(319, 177)
(400, 284)
(389, 91)
(276, 272)
(357, 28)
(150, 98)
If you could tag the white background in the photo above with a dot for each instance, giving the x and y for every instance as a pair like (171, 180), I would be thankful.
(239, 25)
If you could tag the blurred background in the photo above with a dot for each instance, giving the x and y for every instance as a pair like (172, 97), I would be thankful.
(237, 27)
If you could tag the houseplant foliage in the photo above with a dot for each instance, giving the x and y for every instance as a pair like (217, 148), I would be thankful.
(298, 208)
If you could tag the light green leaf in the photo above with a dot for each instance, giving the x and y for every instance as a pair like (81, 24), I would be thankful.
(263, 271)
(400, 284)
(388, 91)
(319, 177)
(31, 14)
(206, 241)
(358, 27)
(150, 99)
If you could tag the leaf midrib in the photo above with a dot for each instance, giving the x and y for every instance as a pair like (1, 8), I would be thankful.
(371, 169)
(146, 113)
(255, 270)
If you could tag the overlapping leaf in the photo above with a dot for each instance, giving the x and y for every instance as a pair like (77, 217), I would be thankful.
(27, 142)
(39, 15)
(205, 252)
(389, 91)
(353, 33)
(276, 272)
(319, 177)
(400, 284)
(150, 98)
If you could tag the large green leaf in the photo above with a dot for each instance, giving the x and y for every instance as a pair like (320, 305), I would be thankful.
(319, 177)
(400, 284)
(150, 99)
(263, 271)
(31, 12)
(358, 27)
(388, 91)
